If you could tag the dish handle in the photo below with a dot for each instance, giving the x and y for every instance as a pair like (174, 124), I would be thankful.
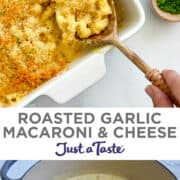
(7, 166)
(78, 78)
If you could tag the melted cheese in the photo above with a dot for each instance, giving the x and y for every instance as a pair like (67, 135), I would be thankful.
(84, 18)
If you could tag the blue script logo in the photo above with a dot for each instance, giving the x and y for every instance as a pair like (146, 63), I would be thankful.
(98, 147)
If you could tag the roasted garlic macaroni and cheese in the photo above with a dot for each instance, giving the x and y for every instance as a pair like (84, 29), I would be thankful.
(38, 40)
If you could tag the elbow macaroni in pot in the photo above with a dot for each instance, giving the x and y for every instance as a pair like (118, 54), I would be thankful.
(38, 40)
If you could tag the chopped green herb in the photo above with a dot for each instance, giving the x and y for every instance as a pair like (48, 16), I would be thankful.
(171, 6)
(18, 40)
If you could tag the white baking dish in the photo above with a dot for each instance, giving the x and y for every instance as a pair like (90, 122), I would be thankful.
(88, 69)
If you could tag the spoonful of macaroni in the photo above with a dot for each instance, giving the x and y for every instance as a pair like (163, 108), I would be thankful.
(109, 36)
(82, 18)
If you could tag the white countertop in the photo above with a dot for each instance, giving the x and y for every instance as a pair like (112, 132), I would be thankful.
(158, 42)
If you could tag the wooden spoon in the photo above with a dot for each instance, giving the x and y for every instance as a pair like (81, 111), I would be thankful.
(109, 36)
(165, 15)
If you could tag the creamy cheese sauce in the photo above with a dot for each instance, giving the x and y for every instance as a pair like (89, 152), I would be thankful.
(93, 177)
(84, 18)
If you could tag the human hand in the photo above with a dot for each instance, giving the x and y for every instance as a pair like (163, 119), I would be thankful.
(159, 98)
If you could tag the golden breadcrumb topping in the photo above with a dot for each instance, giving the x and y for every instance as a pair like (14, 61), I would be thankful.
(32, 50)
(37, 40)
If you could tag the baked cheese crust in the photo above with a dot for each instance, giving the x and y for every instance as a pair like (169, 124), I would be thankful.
(37, 40)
